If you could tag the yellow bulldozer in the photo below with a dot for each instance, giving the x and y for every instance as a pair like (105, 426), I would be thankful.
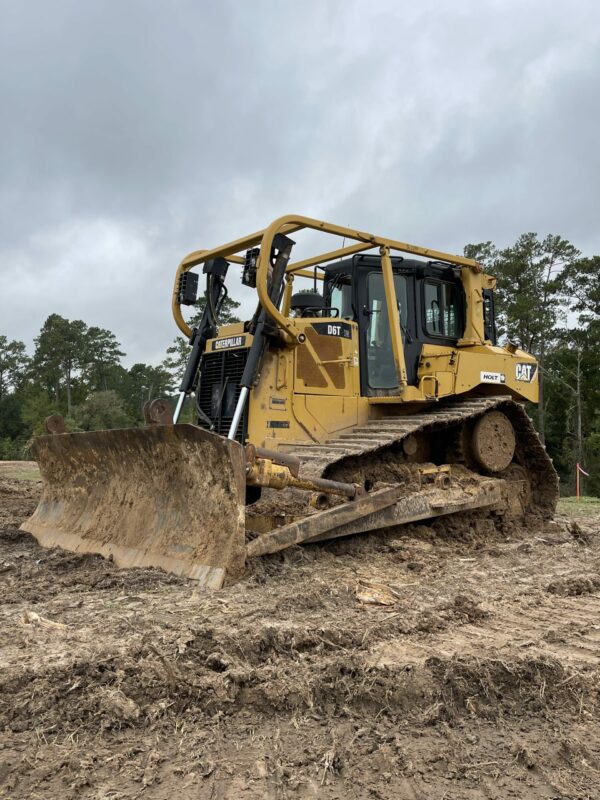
(375, 398)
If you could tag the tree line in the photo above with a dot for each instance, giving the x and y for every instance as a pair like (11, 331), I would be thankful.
(76, 370)
(547, 302)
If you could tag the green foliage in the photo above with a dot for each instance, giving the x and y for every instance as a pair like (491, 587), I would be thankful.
(532, 288)
(70, 359)
(583, 279)
(102, 354)
(101, 410)
(36, 406)
(177, 358)
(13, 364)
(59, 354)
(13, 449)
(531, 295)
(143, 383)
(542, 284)
(75, 371)
(11, 422)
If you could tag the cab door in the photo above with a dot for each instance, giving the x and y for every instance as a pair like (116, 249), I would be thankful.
(378, 371)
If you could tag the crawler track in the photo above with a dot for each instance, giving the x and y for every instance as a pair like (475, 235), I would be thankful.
(375, 451)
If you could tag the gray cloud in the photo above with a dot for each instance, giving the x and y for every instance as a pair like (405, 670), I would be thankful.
(135, 132)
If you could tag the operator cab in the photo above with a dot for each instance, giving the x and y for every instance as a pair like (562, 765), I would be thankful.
(431, 303)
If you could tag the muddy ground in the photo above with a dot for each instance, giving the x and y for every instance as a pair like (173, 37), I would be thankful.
(454, 661)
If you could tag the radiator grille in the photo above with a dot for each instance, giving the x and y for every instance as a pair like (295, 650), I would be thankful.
(219, 390)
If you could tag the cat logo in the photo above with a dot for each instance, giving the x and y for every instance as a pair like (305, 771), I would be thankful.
(525, 372)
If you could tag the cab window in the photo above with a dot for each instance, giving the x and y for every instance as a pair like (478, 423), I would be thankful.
(341, 298)
(442, 312)
(489, 320)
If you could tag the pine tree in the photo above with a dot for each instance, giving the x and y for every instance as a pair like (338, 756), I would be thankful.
(13, 364)
(531, 295)
(60, 352)
(102, 352)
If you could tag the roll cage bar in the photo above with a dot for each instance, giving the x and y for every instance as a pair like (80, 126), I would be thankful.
(292, 223)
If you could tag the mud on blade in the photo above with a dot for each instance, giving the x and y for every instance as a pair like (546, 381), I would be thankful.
(169, 496)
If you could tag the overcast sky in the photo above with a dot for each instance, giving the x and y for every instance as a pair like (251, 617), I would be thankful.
(134, 131)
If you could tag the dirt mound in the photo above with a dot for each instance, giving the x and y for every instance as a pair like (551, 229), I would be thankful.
(427, 662)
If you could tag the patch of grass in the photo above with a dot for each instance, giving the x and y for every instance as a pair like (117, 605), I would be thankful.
(20, 470)
(584, 507)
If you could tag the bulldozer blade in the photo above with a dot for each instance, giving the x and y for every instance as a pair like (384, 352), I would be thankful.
(169, 496)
